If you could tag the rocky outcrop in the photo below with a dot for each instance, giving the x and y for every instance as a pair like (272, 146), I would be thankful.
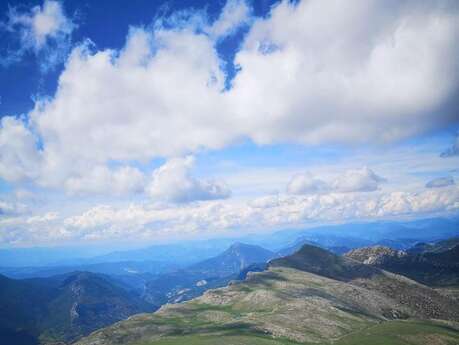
(376, 255)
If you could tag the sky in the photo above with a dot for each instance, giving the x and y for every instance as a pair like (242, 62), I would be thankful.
(154, 121)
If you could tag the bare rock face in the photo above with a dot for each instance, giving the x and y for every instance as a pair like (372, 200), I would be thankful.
(376, 256)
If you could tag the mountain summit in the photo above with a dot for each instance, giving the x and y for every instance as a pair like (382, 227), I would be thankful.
(322, 262)
(237, 257)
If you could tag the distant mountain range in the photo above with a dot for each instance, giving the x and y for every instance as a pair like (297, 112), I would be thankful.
(312, 296)
(192, 281)
(110, 268)
(65, 307)
(62, 307)
(339, 238)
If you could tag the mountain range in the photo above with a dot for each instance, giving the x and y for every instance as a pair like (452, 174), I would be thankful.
(62, 308)
(65, 307)
(312, 296)
(339, 238)
(62, 303)
(192, 281)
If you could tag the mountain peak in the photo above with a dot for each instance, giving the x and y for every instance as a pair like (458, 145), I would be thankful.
(322, 262)
(237, 257)
(240, 246)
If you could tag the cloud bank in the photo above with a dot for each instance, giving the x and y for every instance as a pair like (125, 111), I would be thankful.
(139, 222)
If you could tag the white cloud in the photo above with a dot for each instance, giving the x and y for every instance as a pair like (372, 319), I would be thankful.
(45, 218)
(101, 180)
(43, 30)
(151, 222)
(353, 180)
(235, 14)
(19, 157)
(380, 79)
(11, 208)
(440, 182)
(90, 122)
(306, 184)
(357, 180)
(365, 71)
(100, 113)
(173, 182)
(21, 160)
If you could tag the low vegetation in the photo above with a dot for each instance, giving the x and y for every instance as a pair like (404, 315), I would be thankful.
(340, 302)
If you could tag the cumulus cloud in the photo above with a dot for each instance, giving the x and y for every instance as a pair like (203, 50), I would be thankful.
(354, 180)
(20, 160)
(306, 184)
(19, 157)
(453, 150)
(150, 221)
(173, 182)
(99, 114)
(368, 71)
(440, 182)
(383, 78)
(358, 180)
(43, 30)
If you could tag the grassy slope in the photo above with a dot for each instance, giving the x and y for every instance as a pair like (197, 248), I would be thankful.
(404, 333)
(288, 304)
(386, 333)
(281, 306)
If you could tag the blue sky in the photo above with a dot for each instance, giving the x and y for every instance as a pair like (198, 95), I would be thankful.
(158, 120)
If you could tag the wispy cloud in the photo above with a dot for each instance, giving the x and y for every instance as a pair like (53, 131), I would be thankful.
(235, 14)
(44, 31)
(440, 182)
